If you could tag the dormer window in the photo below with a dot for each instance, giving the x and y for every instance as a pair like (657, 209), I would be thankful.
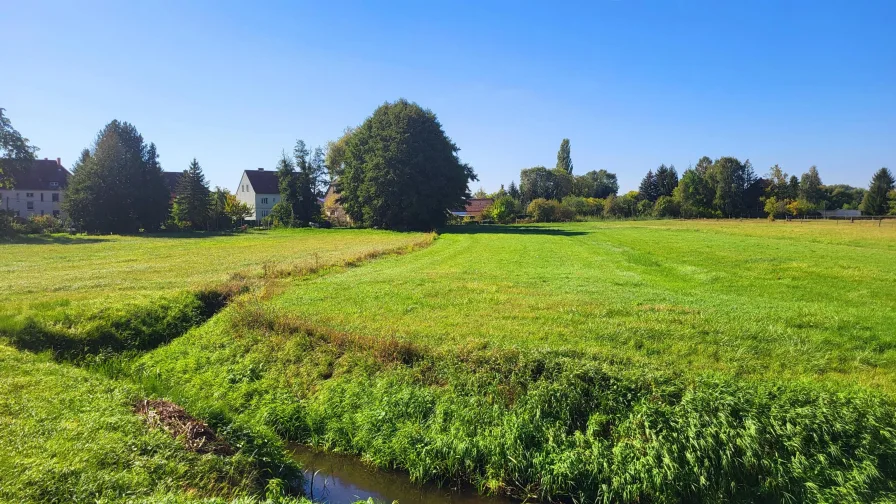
(54, 185)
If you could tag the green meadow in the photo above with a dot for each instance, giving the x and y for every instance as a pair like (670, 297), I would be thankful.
(607, 361)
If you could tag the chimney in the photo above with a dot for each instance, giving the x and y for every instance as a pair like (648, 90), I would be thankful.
(261, 169)
(59, 162)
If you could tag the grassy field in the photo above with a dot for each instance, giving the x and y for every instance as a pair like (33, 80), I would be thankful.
(590, 362)
(814, 299)
(653, 361)
(69, 433)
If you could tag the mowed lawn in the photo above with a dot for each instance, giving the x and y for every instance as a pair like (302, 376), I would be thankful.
(63, 273)
(815, 299)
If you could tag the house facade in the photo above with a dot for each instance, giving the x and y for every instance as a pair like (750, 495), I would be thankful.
(473, 209)
(260, 190)
(37, 191)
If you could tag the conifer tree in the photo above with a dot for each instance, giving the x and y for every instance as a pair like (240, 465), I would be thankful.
(875, 201)
(193, 201)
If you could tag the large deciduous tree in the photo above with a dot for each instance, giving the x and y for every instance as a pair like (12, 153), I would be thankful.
(16, 152)
(401, 171)
(117, 186)
(810, 187)
(193, 204)
(596, 184)
(875, 201)
(564, 157)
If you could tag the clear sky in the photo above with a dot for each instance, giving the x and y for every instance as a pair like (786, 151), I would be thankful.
(633, 84)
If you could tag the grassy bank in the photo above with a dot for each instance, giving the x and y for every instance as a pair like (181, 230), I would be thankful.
(84, 295)
(71, 434)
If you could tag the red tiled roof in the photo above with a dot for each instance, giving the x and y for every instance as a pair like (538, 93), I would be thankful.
(475, 206)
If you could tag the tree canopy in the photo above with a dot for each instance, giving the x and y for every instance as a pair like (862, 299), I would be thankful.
(192, 205)
(564, 158)
(16, 152)
(117, 186)
(401, 171)
(876, 200)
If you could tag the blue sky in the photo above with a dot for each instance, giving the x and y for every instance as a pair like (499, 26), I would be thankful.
(633, 84)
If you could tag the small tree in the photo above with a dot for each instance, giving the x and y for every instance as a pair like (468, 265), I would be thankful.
(666, 206)
(544, 210)
(193, 200)
(503, 210)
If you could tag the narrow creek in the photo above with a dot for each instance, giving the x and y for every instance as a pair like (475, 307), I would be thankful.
(342, 479)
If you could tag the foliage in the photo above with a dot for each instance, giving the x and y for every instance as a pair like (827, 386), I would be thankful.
(801, 208)
(613, 207)
(842, 196)
(875, 201)
(335, 158)
(666, 206)
(401, 171)
(543, 210)
(513, 192)
(564, 158)
(596, 184)
(117, 187)
(725, 187)
(811, 187)
(541, 183)
(503, 210)
(649, 189)
(666, 180)
(16, 152)
(193, 201)
(226, 210)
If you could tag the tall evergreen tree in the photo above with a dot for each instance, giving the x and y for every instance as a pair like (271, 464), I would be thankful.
(106, 192)
(875, 201)
(666, 180)
(810, 186)
(564, 159)
(649, 189)
(153, 201)
(793, 188)
(193, 202)
(512, 191)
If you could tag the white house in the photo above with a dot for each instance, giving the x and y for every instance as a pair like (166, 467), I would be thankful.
(38, 190)
(258, 189)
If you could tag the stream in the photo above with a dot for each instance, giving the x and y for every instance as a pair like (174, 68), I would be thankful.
(342, 479)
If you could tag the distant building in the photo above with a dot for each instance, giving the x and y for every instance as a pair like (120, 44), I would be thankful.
(474, 208)
(38, 190)
(260, 190)
(333, 210)
(841, 213)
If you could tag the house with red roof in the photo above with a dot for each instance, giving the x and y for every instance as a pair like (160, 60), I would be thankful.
(38, 190)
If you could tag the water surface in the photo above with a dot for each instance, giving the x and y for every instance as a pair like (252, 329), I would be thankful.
(341, 479)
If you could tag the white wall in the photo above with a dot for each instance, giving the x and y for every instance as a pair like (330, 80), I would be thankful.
(18, 200)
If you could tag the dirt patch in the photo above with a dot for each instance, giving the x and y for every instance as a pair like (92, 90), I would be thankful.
(195, 434)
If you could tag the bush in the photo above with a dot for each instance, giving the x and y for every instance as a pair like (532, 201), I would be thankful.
(645, 208)
(613, 207)
(542, 210)
(502, 211)
(666, 207)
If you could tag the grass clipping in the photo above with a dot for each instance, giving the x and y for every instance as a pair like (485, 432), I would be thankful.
(196, 435)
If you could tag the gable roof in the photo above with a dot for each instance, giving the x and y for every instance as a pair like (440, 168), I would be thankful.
(474, 207)
(42, 173)
(171, 180)
(263, 182)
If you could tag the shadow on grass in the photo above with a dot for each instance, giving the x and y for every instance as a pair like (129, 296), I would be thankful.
(513, 230)
(54, 239)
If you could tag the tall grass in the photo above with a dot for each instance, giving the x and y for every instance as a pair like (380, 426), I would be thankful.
(548, 425)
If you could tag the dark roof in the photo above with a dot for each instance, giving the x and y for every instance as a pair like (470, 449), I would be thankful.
(42, 173)
(474, 206)
(171, 180)
(263, 181)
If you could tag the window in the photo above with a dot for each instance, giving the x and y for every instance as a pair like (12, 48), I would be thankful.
(56, 213)
(29, 194)
(30, 205)
(264, 201)
(41, 196)
(55, 197)
(54, 184)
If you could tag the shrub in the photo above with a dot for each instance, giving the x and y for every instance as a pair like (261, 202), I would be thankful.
(502, 211)
(542, 210)
(613, 207)
(645, 208)
(666, 207)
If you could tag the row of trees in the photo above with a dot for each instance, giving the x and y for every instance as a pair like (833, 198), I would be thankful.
(725, 187)
(302, 181)
(117, 186)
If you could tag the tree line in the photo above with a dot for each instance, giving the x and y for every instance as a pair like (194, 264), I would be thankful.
(720, 188)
